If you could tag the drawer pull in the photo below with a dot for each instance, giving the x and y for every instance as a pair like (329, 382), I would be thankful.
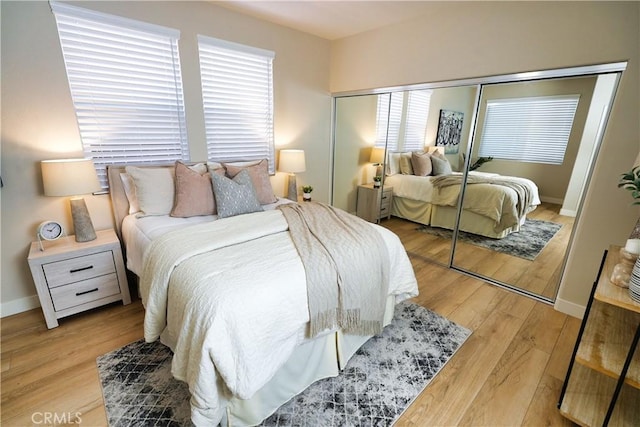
(86, 292)
(77, 270)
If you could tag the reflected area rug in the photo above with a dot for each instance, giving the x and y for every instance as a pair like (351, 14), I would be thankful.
(376, 386)
(526, 243)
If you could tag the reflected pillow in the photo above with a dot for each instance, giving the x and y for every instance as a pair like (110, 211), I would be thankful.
(440, 166)
(405, 164)
(421, 163)
(235, 196)
(193, 193)
(393, 163)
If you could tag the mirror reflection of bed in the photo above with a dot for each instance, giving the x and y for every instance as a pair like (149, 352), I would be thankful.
(494, 218)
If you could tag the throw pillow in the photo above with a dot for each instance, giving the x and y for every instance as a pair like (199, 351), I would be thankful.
(154, 189)
(259, 174)
(421, 163)
(235, 196)
(405, 164)
(193, 193)
(393, 164)
(440, 167)
(130, 192)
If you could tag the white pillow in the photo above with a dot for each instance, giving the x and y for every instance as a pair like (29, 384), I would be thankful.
(393, 163)
(130, 192)
(154, 189)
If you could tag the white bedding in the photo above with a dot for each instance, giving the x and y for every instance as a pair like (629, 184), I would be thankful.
(234, 311)
(137, 233)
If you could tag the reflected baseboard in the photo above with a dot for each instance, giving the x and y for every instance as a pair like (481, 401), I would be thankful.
(570, 308)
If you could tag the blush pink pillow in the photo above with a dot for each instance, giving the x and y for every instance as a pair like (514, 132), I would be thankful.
(259, 174)
(193, 193)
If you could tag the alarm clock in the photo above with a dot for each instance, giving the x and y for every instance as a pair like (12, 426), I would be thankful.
(49, 230)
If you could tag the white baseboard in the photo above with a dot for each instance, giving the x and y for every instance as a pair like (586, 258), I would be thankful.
(568, 212)
(19, 305)
(570, 308)
(553, 200)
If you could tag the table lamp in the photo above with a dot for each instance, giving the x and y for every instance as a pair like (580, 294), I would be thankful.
(292, 162)
(73, 177)
(377, 158)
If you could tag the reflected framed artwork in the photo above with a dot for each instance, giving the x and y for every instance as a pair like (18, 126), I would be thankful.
(450, 131)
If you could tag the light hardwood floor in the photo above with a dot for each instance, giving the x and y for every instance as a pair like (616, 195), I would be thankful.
(509, 372)
(540, 276)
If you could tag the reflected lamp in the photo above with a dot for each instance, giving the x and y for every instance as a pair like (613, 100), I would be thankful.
(377, 158)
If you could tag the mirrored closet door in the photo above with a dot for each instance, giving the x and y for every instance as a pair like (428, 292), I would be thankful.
(506, 161)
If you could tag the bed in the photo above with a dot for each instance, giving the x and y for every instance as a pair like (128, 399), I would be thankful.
(494, 206)
(231, 294)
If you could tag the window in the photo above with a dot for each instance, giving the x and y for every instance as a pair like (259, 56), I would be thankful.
(416, 120)
(532, 129)
(389, 118)
(237, 92)
(126, 87)
(396, 116)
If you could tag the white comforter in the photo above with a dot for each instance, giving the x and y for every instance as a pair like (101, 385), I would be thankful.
(234, 308)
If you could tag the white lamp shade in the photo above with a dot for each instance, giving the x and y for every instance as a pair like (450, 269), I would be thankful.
(377, 155)
(292, 161)
(69, 177)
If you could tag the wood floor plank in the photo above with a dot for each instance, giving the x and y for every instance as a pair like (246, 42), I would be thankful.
(542, 410)
(472, 364)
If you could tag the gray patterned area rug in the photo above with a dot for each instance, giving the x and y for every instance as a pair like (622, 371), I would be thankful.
(526, 243)
(376, 386)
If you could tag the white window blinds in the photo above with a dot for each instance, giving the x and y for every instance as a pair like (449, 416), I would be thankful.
(416, 120)
(126, 87)
(388, 121)
(532, 129)
(237, 92)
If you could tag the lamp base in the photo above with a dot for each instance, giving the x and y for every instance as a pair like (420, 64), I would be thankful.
(82, 221)
(293, 188)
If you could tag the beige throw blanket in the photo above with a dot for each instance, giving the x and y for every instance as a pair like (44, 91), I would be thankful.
(347, 268)
(484, 199)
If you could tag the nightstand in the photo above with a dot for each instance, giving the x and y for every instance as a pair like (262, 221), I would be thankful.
(73, 277)
(374, 203)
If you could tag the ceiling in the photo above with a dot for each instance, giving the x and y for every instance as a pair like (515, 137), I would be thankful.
(329, 19)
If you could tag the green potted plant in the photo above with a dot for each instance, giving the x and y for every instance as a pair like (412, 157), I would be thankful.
(377, 181)
(306, 193)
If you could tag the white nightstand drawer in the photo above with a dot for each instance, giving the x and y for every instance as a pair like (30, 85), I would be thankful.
(79, 268)
(83, 292)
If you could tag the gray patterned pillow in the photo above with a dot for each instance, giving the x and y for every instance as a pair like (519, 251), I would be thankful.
(235, 196)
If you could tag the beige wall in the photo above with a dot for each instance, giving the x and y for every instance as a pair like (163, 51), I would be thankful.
(552, 180)
(38, 121)
(355, 135)
(472, 39)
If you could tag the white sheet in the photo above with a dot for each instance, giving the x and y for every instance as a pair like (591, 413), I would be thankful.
(237, 313)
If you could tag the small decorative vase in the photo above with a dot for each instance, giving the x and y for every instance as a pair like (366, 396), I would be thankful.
(622, 271)
(376, 184)
(306, 197)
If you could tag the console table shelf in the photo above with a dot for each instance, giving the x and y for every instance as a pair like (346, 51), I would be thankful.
(603, 381)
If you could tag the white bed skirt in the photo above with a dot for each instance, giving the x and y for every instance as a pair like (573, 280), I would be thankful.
(314, 360)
